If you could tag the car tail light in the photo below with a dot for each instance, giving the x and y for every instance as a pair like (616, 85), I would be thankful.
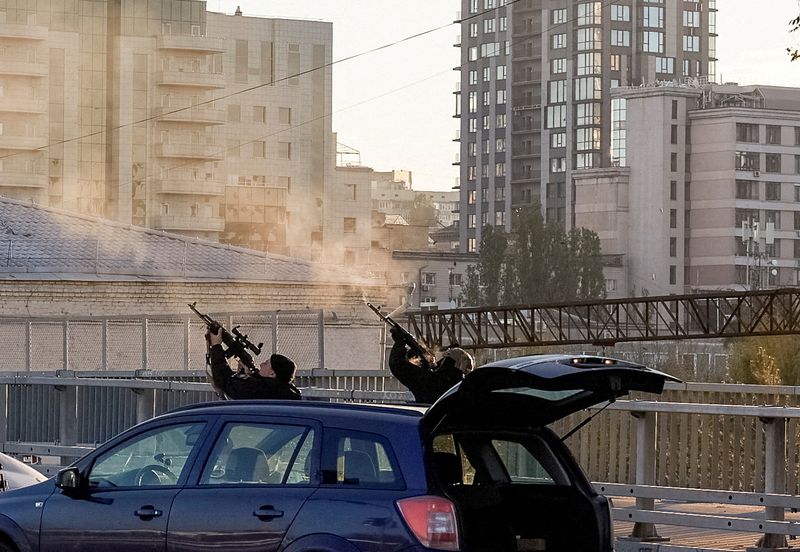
(432, 519)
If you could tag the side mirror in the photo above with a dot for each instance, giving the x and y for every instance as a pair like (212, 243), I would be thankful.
(69, 479)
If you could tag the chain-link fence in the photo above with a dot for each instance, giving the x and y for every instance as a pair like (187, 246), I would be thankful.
(159, 343)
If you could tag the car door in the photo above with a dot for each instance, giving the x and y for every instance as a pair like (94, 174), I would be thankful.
(127, 488)
(537, 390)
(252, 484)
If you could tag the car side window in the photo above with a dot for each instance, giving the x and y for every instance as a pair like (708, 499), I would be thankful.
(523, 465)
(260, 454)
(157, 457)
(354, 458)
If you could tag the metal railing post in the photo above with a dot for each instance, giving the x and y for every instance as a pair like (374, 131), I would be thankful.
(65, 344)
(321, 339)
(28, 348)
(144, 343)
(145, 404)
(3, 414)
(68, 418)
(774, 477)
(186, 338)
(275, 332)
(645, 473)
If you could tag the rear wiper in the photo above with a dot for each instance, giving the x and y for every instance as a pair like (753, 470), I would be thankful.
(587, 420)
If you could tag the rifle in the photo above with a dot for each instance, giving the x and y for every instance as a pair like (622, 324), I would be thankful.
(237, 343)
(417, 348)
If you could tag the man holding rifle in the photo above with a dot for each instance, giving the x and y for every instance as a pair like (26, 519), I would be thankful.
(426, 380)
(274, 380)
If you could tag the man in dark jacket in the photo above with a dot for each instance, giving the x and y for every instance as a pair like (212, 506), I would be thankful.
(427, 380)
(274, 380)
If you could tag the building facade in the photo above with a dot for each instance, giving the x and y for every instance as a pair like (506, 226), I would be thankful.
(534, 95)
(165, 115)
(707, 192)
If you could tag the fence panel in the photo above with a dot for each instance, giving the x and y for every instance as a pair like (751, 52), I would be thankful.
(85, 345)
(124, 350)
(47, 345)
(15, 346)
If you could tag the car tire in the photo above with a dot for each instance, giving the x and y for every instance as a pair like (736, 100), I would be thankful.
(5, 547)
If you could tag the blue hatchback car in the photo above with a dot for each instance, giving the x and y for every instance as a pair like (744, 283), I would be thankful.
(478, 470)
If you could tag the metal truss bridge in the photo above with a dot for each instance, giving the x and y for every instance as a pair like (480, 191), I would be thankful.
(610, 321)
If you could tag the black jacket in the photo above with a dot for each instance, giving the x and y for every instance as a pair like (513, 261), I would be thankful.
(255, 386)
(425, 383)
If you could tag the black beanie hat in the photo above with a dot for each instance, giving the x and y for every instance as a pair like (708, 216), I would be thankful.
(283, 367)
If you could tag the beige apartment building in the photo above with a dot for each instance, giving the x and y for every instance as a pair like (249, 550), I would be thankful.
(705, 191)
(165, 115)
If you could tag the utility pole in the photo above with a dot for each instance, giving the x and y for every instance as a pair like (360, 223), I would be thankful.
(758, 262)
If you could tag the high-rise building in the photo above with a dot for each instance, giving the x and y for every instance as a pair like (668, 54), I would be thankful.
(165, 115)
(706, 194)
(534, 95)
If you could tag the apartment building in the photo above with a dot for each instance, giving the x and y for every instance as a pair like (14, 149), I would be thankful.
(705, 194)
(165, 115)
(534, 97)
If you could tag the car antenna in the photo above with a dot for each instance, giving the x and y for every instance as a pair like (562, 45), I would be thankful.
(587, 420)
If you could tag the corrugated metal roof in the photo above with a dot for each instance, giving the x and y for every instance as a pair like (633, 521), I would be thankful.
(44, 243)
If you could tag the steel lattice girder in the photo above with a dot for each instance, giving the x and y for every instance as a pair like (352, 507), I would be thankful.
(605, 322)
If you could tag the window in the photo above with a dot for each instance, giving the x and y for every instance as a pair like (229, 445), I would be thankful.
(673, 134)
(473, 124)
(500, 145)
(746, 133)
(164, 210)
(615, 62)
(583, 161)
(559, 41)
(259, 149)
(260, 454)
(745, 215)
(773, 191)
(673, 218)
(620, 38)
(556, 116)
(797, 136)
(428, 279)
(487, 74)
(499, 218)
(590, 13)
(502, 24)
(472, 196)
(673, 275)
(558, 91)
(485, 170)
(471, 220)
(559, 66)
(673, 247)
(691, 43)
(587, 114)
(129, 463)
(611, 285)
(349, 225)
(620, 13)
(500, 120)
(490, 49)
(588, 88)
(485, 149)
(773, 162)
(284, 150)
(473, 77)
(747, 161)
(590, 39)
(351, 458)
(673, 162)
(500, 169)
(587, 139)
(473, 30)
(558, 164)
(501, 72)
(773, 134)
(285, 115)
(501, 97)
(653, 17)
(691, 19)
(559, 16)
(473, 53)
(673, 190)
(259, 114)
(472, 103)
(653, 41)
(665, 65)
(797, 164)
(472, 149)
(589, 64)
(746, 189)
(487, 98)
(488, 25)
(674, 109)
(472, 173)
(471, 247)
(485, 120)
(558, 140)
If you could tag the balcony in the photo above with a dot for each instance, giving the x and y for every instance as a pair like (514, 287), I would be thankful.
(22, 179)
(210, 151)
(21, 68)
(23, 32)
(202, 115)
(202, 44)
(190, 187)
(22, 142)
(190, 78)
(23, 105)
(183, 223)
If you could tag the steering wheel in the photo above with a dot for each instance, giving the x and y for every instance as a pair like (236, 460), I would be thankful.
(154, 474)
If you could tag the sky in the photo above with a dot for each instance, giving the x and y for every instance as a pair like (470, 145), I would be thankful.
(395, 106)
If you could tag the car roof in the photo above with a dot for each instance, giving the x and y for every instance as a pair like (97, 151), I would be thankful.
(306, 409)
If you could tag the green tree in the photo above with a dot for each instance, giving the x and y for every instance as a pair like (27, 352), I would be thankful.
(491, 265)
(470, 291)
(423, 213)
(766, 360)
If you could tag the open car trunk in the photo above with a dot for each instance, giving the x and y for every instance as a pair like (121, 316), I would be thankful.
(515, 485)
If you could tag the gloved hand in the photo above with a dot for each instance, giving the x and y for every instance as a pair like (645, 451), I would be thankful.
(398, 335)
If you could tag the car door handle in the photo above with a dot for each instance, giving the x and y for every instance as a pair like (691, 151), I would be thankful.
(267, 513)
(148, 512)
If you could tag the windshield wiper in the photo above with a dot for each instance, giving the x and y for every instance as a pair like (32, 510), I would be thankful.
(587, 420)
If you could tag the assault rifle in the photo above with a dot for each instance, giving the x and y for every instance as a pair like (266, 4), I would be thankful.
(237, 343)
(417, 348)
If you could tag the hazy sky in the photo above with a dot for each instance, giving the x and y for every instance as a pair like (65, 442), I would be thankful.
(395, 106)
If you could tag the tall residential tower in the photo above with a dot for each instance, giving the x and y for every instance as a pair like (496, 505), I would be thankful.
(534, 96)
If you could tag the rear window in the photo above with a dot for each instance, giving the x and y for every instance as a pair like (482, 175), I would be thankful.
(358, 459)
